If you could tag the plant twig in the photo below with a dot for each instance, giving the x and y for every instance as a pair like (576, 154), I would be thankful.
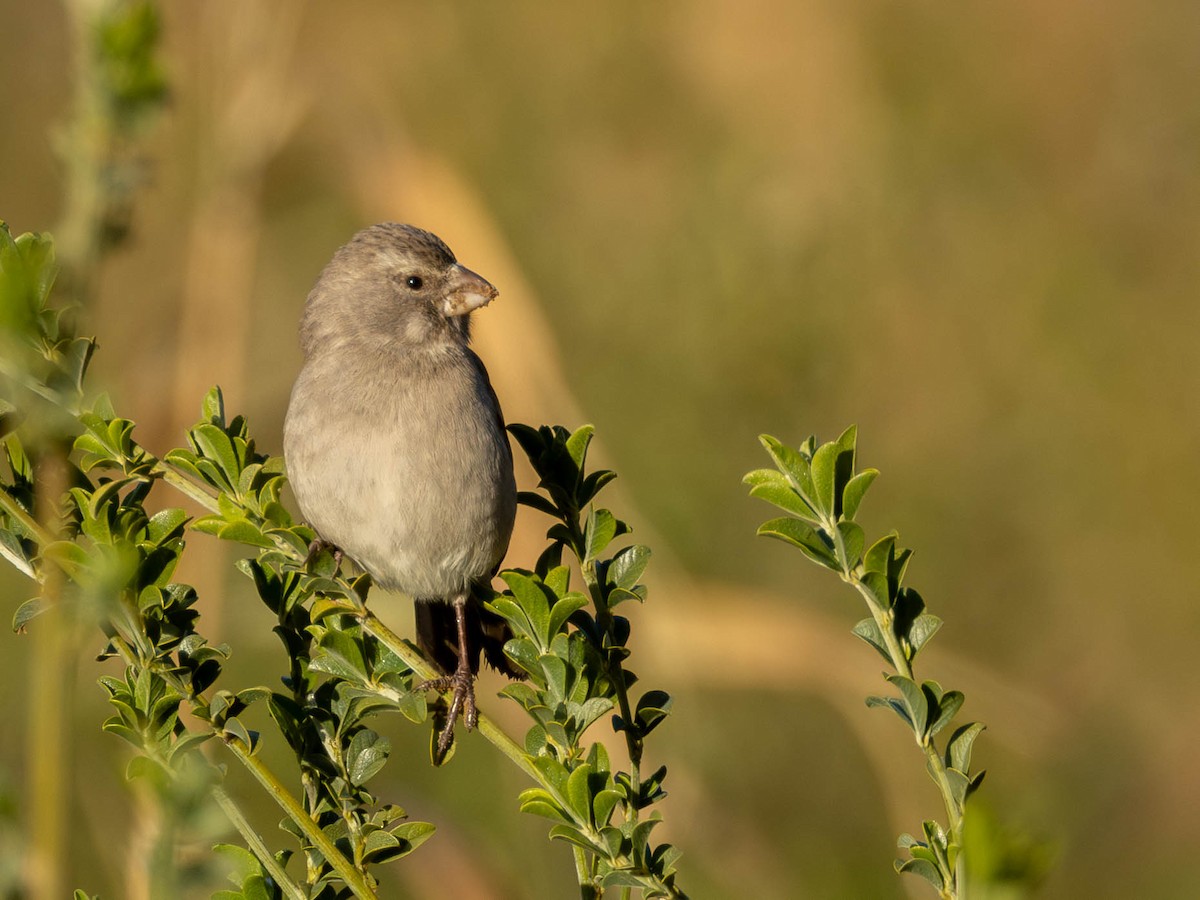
(354, 879)
(254, 841)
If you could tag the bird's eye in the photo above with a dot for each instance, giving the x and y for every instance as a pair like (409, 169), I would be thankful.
(414, 282)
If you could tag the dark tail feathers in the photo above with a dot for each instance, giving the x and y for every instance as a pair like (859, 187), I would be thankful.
(437, 636)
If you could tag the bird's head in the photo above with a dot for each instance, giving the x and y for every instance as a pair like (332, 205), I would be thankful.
(396, 284)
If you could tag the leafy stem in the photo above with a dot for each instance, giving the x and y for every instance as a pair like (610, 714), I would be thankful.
(574, 662)
(884, 621)
(354, 879)
(820, 490)
(228, 806)
(224, 474)
(266, 778)
(612, 667)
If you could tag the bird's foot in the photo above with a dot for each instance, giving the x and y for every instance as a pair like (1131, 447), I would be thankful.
(318, 546)
(462, 682)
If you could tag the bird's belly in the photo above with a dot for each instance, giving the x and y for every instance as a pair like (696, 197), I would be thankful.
(425, 511)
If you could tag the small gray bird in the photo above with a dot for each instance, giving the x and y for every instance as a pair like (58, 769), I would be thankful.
(395, 443)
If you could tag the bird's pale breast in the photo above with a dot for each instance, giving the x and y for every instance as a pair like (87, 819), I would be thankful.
(412, 479)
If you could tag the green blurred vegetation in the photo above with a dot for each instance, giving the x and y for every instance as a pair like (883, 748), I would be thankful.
(972, 230)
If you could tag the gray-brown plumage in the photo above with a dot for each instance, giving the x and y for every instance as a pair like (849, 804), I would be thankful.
(395, 444)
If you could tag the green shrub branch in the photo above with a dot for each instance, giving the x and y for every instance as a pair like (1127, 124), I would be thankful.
(820, 489)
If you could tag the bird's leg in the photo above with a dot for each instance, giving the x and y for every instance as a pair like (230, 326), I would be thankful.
(462, 682)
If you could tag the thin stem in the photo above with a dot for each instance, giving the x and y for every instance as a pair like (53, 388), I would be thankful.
(354, 879)
(899, 659)
(587, 890)
(202, 495)
(234, 813)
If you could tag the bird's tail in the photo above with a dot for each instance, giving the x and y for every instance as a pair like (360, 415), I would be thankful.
(437, 636)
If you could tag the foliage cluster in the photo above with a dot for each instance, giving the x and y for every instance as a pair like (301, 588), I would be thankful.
(343, 665)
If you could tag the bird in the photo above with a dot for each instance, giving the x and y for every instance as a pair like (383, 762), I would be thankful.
(395, 444)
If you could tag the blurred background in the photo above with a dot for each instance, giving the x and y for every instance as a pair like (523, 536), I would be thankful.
(973, 230)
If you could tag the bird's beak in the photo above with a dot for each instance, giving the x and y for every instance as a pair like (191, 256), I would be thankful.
(466, 292)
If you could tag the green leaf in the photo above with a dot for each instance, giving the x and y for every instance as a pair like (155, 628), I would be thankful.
(603, 805)
(600, 529)
(856, 489)
(922, 629)
(793, 465)
(852, 543)
(531, 597)
(531, 440)
(593, 484)
(641, 833)
(538, 502)
(553, 772)
(213, 443)
(877, 591)
(614, 840)
(868, 630)
(555, 671)
(579, 794)
(975, 781)
(414, 833)
(959, 783)
(27, 612)
(413, 706)
(245, 532)
(577, 444)
(380, 844)
(240, 860)
(233, 726)
(187, 743)
(539, 802)
(824, 476)
(915, 701)
(563, 610)
(812, 543)
(774, 487)
(324, 607)
(70, 557)
(166, 524)
(212, 408)
(114, 726)
(924, 869)
(573, 835)
(339, 655)
(958, 748)
(524, 653)
(652, 708)
(948, 707)
(367, 754)
(895, 705)
(877, 557)
(628, 565)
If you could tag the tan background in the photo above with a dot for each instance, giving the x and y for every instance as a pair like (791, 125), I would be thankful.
(970, 228)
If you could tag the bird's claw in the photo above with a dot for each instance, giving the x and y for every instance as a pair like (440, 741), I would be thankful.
(462, 682)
